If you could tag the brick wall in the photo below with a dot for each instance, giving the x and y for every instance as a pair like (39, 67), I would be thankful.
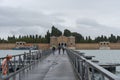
(7, 46)
(87, 46)
(78, 46)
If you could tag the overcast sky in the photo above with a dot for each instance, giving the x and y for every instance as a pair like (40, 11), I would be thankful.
(88, 17)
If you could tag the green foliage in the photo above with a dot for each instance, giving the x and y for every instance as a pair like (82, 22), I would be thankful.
(47, 37)
(67, 33)
(112, 38)
(55, 32)
(78, 37)
(12, 39)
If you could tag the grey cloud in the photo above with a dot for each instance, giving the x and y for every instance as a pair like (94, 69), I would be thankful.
(102, 6)
(23, 14)
(89, 22)
(25, 31)
(89, 27)
(20, 17)
(29, 31)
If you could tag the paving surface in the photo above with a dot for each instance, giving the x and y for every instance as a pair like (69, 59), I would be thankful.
(54, 67)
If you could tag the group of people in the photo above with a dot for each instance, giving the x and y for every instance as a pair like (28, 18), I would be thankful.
(60, 46)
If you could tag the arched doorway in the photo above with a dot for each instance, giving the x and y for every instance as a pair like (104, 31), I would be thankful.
(62, 44)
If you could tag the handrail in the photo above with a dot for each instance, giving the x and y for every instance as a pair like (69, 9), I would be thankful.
(24, 61)
(86, 70)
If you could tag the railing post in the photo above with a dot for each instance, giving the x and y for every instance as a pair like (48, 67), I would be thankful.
(102, 77)
(14, 63)
(92, 76)
(35, 56)
(31, 57)
(29, 51)
(80, 69)
(86, 71)
(8, 67)
(0, 68)
(74, 61)
(19, 62)
(83, 69)
(27, 57)
(78, 65)
(40, 53)
(24, 58)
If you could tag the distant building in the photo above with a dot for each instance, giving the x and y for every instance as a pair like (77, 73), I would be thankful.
(63, 40)
(20, 44)
(24, 46)
(105, 45)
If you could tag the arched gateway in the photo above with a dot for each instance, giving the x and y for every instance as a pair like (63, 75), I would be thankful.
(67, 41)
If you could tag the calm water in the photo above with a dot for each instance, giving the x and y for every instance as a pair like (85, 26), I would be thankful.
(105, 56)
(4, 53)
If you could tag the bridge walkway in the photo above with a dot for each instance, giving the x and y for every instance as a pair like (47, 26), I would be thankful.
(54, 67)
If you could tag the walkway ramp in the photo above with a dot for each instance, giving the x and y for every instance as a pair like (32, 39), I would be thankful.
(54, 67)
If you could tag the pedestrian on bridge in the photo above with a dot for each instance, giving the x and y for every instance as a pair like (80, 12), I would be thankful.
(59, 48)
(53, 50)
(63, 48)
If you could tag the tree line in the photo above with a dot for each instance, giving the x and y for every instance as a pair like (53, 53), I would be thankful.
(56, 32)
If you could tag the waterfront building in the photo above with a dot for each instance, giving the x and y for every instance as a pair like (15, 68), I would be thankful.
(63, 40)
(20, 44)
(105, 45)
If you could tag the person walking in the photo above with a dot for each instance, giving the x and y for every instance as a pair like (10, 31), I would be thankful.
(53, 50)
(63, 49)
(59, 49)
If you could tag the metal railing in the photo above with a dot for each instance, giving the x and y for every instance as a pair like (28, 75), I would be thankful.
(87, 70)
(22, 62)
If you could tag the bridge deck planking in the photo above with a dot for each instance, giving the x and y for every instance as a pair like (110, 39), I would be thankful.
(54, 67)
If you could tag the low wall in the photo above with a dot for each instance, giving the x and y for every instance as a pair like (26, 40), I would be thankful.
(5, 46)
(114, 45)
(78, 46)
(96, 46)
(44, 46)
(87, 46)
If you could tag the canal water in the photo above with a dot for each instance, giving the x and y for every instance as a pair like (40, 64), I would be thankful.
(104, 56)
(4, 53)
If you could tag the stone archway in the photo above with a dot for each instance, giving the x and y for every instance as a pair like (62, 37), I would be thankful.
(66, 41)
(62, 44)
